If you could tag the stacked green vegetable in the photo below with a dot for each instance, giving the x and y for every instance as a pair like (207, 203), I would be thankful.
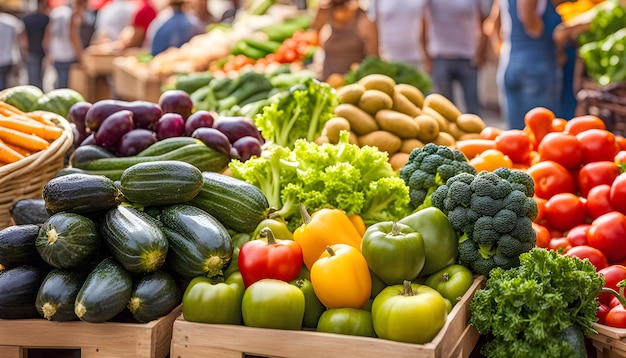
(540, 309)
(401, 72)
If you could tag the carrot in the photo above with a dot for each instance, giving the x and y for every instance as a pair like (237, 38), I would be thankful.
(8, 108)
(22, 151)
(8, 155)
(39, 118)
(20, 139)
(473, 147)
(31, 127)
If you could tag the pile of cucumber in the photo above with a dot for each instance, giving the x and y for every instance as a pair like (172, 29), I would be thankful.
(108, 249)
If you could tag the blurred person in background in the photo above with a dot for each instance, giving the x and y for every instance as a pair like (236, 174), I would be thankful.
(172, 27)
(133, 35)
(35, 24)
(347, 35)
(63, 37)
(454, 48)
(400, 29)
(14, 44)
(528, 75)
(112, 19)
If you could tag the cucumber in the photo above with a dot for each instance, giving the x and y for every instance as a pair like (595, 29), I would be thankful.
(18, 291)
(29, 211)
(167, 145)
(105, 292)
(86, 153)
(17, 246)
(160, 183)
(68, 240)
(199, 244)
(57, 293)
(237, 204)
(81, 194)
(155, 295)
(134, 239)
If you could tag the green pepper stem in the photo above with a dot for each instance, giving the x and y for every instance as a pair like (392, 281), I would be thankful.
(407, 290)
(306, 218)
(395, 230)
(445, 277)
(269, 234)
(330, 251)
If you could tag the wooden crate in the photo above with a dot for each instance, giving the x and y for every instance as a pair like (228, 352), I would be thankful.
(99, 63)
(195, 340)
(133, 81)
(610, 342)
(95, 340)
(92, 87)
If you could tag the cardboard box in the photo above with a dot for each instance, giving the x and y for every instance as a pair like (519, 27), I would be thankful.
(195, 340)
(133, 81)
(95, 340)
(92, 87)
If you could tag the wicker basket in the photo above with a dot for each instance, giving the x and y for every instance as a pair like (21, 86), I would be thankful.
(26, 178)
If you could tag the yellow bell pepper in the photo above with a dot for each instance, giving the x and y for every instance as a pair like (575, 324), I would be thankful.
(323, 228)
(341, 277)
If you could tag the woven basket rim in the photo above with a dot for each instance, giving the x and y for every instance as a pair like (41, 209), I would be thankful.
(57, 148)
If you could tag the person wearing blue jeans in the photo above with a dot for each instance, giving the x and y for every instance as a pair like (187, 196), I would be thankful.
(461, 70)
(63, 73)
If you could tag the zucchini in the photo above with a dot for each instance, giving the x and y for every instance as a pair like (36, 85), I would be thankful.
(81, 194)
(155, 295)
(68, 240)
(18, 291)
(134, 239)
(160, 183)
(237, 204)
(167, 145)
(86, 153)
(57, 294)
(199, 244)
(105, 292)
(17, 246)
(29, 211)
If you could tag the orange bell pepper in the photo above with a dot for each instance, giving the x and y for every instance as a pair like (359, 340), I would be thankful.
(341, 277)
(323, 228)
(490, 160)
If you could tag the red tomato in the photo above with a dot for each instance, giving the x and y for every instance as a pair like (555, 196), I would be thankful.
(582, 123)
(597, 145)
(620, 157)
(601, 312)
(621, 142)
(541, 208)
(616, 317)
(595, 256)
(608, 234)
(598, 201)
(612, 275)
(551, 178)
(490, 132)
(562, 148)
(539, 121)
(577, 235)
(559, 244)
(516, 144)
(617, 194)
(565, 210)
(596, 173)
(543, 235)
(614, 301)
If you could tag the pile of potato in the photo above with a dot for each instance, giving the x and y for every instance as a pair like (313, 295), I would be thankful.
(398, 118)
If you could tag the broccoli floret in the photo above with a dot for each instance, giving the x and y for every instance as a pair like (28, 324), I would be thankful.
(483, 266)
(485, 232)
(512, 247)
(489, 184)
(429, 168)
(523, 230)
(519, 180)
(486, 205)
(468, 252)
(504, 221)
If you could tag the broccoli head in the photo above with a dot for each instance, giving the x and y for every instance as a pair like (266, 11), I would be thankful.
(430, 167)
(493, 213)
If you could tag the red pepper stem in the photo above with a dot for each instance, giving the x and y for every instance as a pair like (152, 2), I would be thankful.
(330, 251)
(619, 295)
(269, 234)
(407, 290)
(306, 218)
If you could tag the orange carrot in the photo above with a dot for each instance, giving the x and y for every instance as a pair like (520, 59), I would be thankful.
(31, 127)
(39, 118)
(473, 147)
(22, 151)
(8, 155)
(20, 139)
(8, 109)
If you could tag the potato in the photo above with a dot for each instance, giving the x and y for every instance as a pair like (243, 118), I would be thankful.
(455, 131)
(354, 139)
(397, 123)
(442, 105)
(373, 100)
(409, 144)
(445, 139)
(403, 105)
(398, 160)
(443, 123)
(470, 123)
(383, 140)
(467, 136)
(412, 93)
(350, 93)
(321, 140)
(334, 126)
(379, 82)
(429, 128)
(360, 122)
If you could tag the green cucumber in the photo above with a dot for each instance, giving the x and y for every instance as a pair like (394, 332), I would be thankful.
(238, 205)
(86, 153)
(155, 295)
(160, 183)
(18, 291)
(135, 239)
(199, 244)
(17, 246)
(68, 240)
(29, 211)
(105, 292)
(81, 194)
(57, 294)
(167, 145)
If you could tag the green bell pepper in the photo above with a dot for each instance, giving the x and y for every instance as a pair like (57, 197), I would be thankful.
(278, 227)
(351, 321)
(451, 282)
(313, 308)
(270, 303)
(208, 302)
(441, 243)
(377, 285)
(393, 251)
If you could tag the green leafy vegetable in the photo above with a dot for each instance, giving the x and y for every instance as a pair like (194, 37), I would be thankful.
(525, 309)
(358, 180)
(401, 72)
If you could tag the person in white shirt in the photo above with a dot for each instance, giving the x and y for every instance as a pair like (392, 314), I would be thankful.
(112, 19)
(13, 42)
